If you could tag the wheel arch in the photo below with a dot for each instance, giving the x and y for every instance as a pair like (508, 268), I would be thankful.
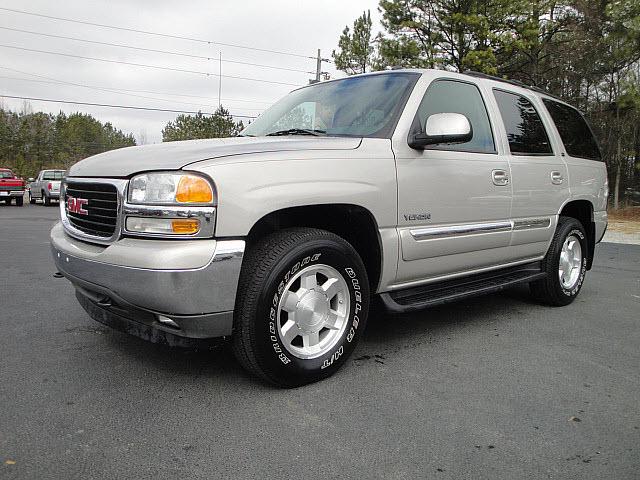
(582, 210)
(354, 223)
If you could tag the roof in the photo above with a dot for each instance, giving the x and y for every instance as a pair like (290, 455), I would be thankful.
(468, 73)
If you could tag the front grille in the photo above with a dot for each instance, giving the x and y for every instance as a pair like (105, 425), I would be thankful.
(101, 207)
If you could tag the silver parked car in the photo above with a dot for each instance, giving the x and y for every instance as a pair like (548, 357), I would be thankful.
(46, 186)
(419, 186)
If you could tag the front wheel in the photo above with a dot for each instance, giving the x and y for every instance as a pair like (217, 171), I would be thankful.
(32, 200)
(302, 305)
(565, 265)
(19, 201)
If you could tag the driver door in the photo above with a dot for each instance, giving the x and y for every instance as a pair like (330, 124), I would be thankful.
(454, 201)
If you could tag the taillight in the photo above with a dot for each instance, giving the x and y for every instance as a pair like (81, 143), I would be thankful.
(49, 186)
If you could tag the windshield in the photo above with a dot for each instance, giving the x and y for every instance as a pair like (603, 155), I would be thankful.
(53, 175)
(367, 106)
(6, 174)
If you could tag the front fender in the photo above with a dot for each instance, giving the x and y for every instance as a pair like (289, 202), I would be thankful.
(248, 191)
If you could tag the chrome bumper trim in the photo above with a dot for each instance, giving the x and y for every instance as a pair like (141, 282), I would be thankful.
(171, 292)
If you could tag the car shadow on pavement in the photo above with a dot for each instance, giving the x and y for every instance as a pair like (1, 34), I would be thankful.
(385, 332)
(387, 329)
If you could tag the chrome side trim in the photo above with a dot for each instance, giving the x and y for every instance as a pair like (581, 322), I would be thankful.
(206, 215)
(476, 228)
(531, 223)
(454, 230)
(120, 185)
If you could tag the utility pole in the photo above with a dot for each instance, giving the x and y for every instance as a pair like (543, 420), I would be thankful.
(220, 80)
(319, 71)
(318, 66)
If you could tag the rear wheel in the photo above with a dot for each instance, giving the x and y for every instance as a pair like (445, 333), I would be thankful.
(46, 200)
(565, 265)
(301, 307)
(19, 201)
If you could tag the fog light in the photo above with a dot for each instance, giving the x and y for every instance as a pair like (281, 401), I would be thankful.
(163, 226)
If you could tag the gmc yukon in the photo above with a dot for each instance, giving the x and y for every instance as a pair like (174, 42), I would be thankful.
(419, 186)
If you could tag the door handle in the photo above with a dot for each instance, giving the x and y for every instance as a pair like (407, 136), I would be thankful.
(557, 178)
(500, 177)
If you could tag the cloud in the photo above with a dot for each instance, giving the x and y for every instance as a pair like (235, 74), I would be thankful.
(292, 26)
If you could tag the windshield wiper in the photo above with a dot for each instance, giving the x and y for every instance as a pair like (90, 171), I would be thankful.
(297, 131)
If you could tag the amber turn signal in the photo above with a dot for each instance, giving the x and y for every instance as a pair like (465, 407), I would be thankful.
(185, 227)
(194, 189)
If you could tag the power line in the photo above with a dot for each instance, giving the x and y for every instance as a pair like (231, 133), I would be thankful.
(117, 90)
(144, 65)
(108, 90)
(128, 107)
(154, 50)
(157, 34)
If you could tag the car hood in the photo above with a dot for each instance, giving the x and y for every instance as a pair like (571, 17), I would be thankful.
(175, 155)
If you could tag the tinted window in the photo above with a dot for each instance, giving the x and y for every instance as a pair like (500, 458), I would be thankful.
(448, 96)
(53, 175)
(574, 130)
(525, 131)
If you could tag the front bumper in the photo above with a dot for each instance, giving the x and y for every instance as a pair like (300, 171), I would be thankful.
(192, 283)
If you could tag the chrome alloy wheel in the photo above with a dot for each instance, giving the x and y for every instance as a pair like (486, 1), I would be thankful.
(313, 311)
(570, 262)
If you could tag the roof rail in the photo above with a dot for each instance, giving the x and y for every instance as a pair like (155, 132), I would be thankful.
(517, 83)
(473, 73)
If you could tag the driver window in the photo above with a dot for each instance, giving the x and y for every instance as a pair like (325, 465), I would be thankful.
(451, 96)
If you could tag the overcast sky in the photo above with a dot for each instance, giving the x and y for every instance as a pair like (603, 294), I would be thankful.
(299, 27)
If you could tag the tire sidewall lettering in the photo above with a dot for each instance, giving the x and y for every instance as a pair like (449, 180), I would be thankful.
(346, 343)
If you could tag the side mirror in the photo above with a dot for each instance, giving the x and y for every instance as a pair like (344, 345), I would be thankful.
(30, 179)
(443, 128)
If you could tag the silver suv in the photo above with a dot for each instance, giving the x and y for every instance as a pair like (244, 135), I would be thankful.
(420, 186)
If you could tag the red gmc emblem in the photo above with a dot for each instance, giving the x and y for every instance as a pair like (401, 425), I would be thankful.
(74, 205)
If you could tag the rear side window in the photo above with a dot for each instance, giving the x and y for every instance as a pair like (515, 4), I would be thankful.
(574, 131)
(450, 96)
(525, 130)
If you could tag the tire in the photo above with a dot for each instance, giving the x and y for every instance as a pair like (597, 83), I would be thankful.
(46, 200)
(19, 201)
(297, 264)
(32, 200)
(552, 290)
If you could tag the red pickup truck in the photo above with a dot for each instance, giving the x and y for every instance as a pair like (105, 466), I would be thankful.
(11, 187)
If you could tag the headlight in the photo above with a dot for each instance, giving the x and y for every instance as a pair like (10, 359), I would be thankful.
(170, 205)
(170, 188)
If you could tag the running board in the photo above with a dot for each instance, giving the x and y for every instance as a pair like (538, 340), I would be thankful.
(417, 298)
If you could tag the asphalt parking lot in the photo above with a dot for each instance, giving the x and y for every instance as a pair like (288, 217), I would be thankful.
(495, 387)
